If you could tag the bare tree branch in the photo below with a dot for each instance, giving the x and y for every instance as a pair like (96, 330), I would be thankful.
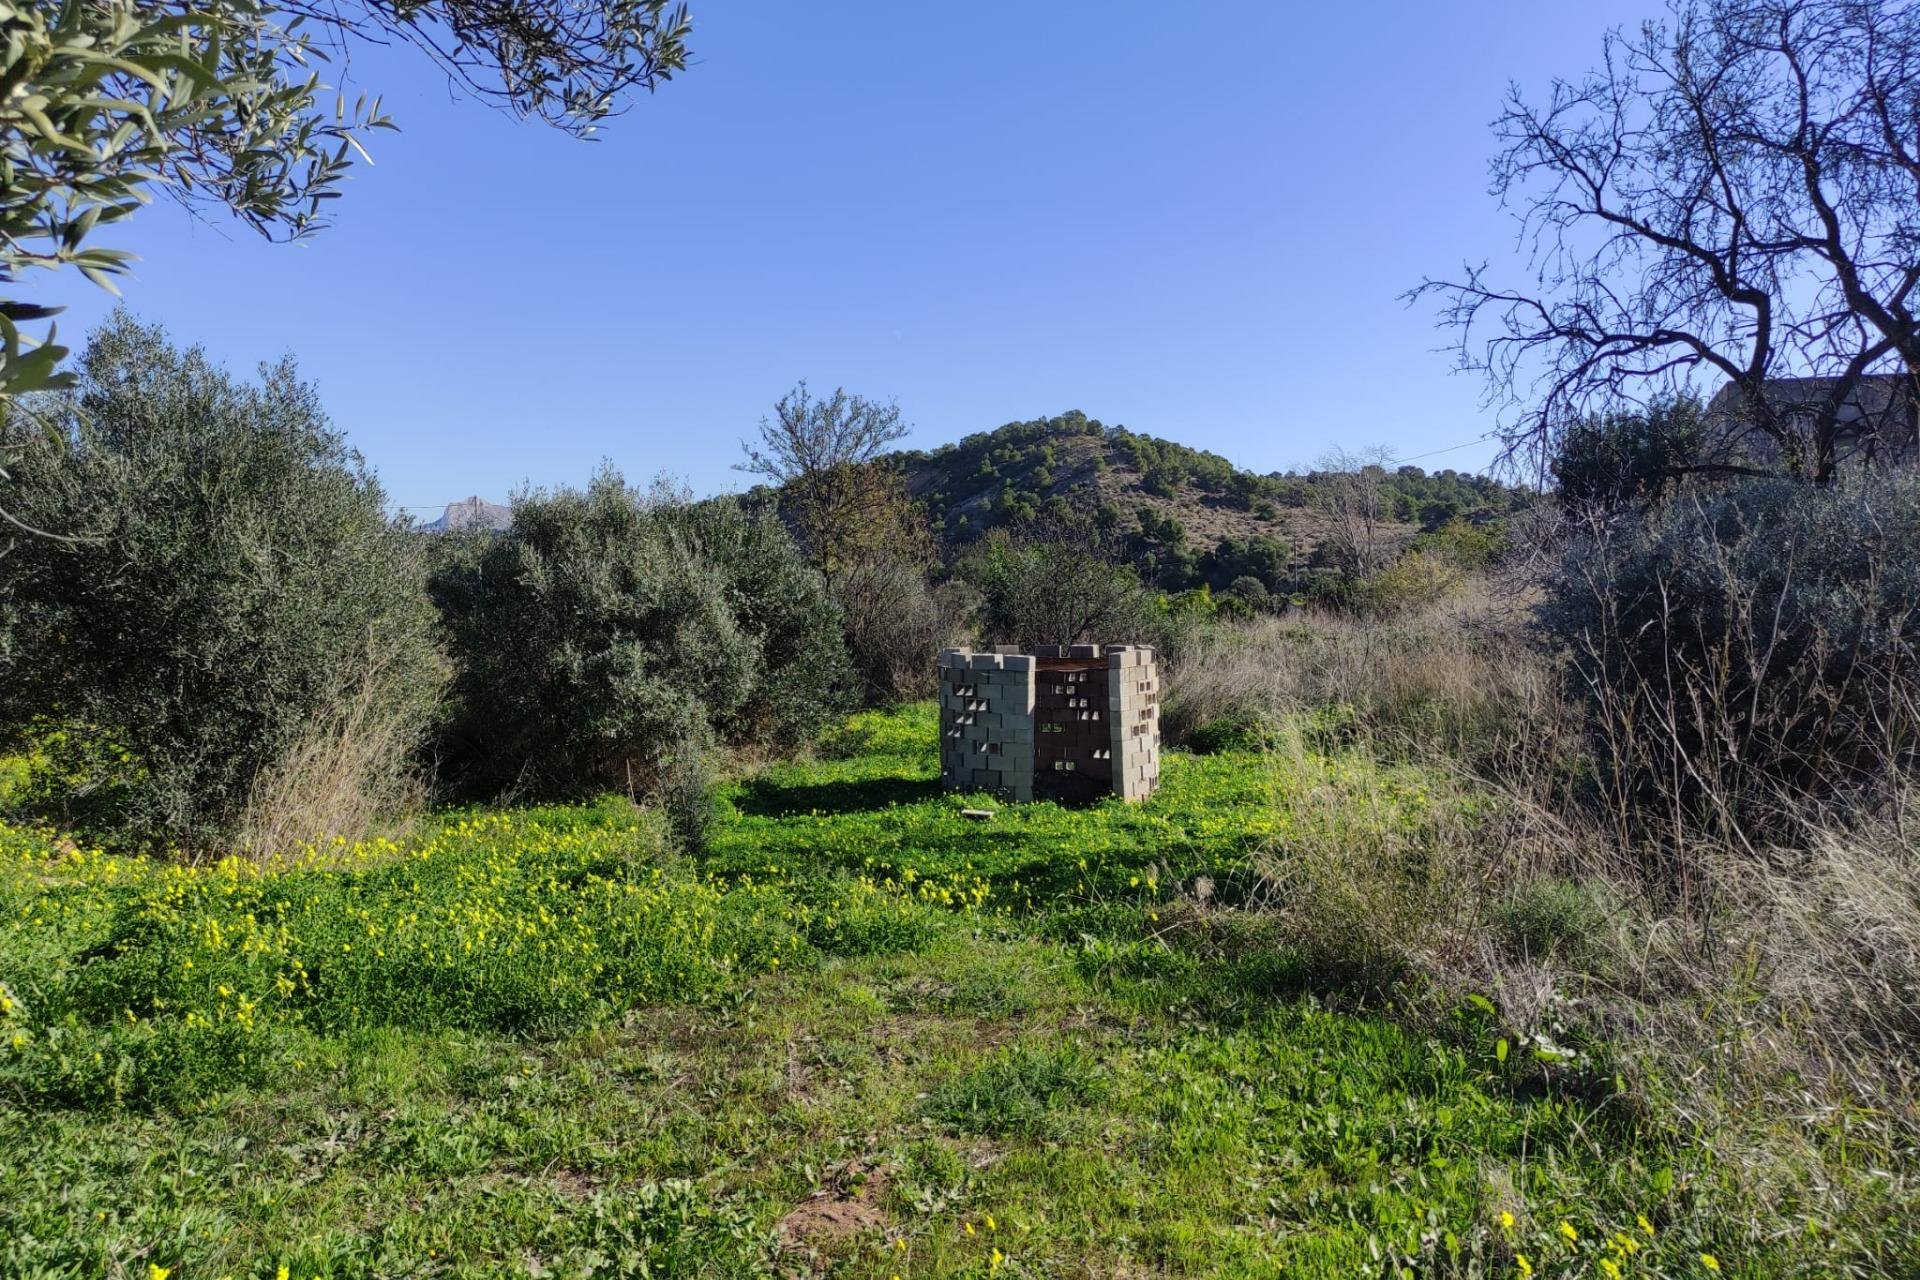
(1729, 199)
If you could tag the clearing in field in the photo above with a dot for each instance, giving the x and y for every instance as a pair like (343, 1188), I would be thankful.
(865, 1037)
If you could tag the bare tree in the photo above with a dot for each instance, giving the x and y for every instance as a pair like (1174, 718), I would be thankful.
(1733, 196)
(1351, 493)
(825, 456)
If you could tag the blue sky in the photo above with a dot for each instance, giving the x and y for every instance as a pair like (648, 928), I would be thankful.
(1192, 220)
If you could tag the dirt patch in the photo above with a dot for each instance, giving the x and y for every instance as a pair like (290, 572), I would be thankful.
(846, 1204)
(573, 1184)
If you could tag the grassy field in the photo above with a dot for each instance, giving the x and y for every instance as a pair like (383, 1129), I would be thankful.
(863, 1037)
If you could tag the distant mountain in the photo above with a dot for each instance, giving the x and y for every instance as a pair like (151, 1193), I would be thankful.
(1188, 516)
(470, 514)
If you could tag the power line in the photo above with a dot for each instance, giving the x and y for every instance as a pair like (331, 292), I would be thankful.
(1434, 453)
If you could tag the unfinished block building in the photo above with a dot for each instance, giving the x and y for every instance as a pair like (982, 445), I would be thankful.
(1059, 723)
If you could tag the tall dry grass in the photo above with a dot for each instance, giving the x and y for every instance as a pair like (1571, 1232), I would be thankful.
(1446, 833)
(353, 773)
(1454, 680)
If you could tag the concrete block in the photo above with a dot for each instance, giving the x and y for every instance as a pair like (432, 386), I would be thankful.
(1004, 721)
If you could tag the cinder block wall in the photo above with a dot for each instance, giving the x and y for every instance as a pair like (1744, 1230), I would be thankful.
(1133, 701)
(1063, 721)
(986, 722)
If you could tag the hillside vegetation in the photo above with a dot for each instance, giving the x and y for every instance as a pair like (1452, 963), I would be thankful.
(1184, 515)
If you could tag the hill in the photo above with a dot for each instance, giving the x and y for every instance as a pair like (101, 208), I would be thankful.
(470, 514)
(1185, 515)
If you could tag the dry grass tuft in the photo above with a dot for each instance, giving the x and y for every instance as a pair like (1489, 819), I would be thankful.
(352, 774)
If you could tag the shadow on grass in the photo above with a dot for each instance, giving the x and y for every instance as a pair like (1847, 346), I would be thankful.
(764, 798)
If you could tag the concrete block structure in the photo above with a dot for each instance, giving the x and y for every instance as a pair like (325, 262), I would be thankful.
(1064, 722)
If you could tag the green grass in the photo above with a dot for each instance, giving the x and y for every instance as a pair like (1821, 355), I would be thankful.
(866, 1038)
(877, 810)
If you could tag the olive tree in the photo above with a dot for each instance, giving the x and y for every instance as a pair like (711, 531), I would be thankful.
(607, 633)
(1049, 587)
(246, 606)
(216, 103)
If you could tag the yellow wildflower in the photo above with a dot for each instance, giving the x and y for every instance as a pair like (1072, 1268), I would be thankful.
(1566, 1229)
(1526, 1268)
(157, 1272)
(1506, 1220)
(1710, 1262)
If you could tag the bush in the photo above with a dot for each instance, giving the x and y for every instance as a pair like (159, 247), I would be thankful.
(1417, 580)
(1055, 591)
(606, 630)
(896, 624)
(1253, 591)
(1629, 458)
(1551, 917)
(1239, 730)
(1737, 641)
(687, 796)
(1463, 543)
(238, 614)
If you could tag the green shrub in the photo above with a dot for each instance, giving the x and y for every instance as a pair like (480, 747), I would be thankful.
(235, 586)
(1252, 590)
(1239, 730)
(1629, 458)
(1417, 580)
(606, 628)
(1055, 591)
(1463, 543)
(1325, 588)
(687, 796)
